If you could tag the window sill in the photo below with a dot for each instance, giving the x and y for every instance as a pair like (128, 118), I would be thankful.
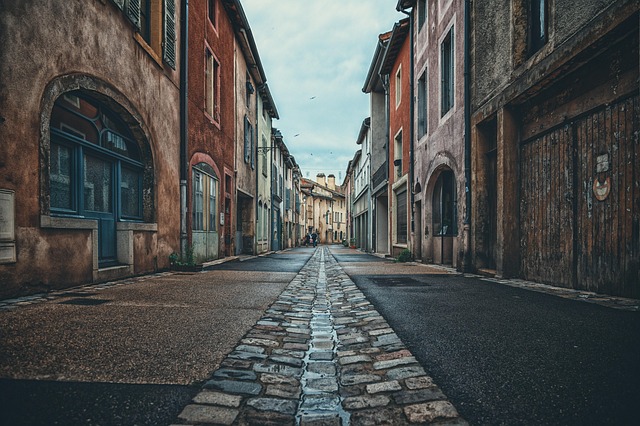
(143, 43)
(212, 120)
(137, 226)
(53, 222)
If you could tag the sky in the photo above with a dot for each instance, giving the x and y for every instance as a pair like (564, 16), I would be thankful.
(316, 55)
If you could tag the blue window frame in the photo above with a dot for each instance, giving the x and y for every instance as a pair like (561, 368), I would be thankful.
(95, 164)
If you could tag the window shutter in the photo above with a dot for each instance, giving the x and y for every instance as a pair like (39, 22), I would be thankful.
(119, 3)
(246, 140)
(253, 148)
(169, 43)
(133, 12)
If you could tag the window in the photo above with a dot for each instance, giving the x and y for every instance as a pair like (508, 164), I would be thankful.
(248, 141)
(537, 25)
(212, 86)
(155, 21)
(205, 194)
(397, 154)
(422, 13)
(447, 63)
(401, 216)
(248, 89)
(95, 164)
(211, 8)
(398, 86)
(264, 156)
(422, 105)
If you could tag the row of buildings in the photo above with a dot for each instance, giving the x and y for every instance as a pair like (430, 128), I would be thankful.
(503, 137)
(131, 130)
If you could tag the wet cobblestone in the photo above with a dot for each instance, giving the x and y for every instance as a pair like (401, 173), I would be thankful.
(320, 355)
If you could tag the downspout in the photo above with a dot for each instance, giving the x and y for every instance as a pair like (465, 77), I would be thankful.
(385, 83)
(184, 128)
(411, 115)
(467, 265)
(257, 171)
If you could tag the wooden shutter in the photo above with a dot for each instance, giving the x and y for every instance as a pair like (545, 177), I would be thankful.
(169, 43)
(247, 154)
(133, 12)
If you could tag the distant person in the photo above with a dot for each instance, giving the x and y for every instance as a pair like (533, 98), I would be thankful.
(314, 239)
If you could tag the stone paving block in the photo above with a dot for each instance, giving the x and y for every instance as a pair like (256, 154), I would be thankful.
(235, 387)
(419, 382)
(380, 331)
(321, 355)
(312, 403)
(296, 346)
(267, 418)
(329, 419)
(260, 342)
(354, 359)
(278, 405)
(217, 398)
(405, 372)
(380, 416)
(319, 344)
(384, 387)
(277, 379)
(225, 373)
(365, 401)
(382, 365)
(322, 367)
(208, 414)
(283, 370)
(251, 349)
(286, 360)
(247, 356)
(393, 355)
(430, 411)
(324, 384)
(420, 395)
(283, 391)
(236, 363)
(288, 352)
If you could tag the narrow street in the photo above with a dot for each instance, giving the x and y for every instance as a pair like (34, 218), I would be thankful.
(316, 336)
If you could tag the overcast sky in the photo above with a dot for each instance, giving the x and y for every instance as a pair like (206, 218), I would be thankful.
(316, 55)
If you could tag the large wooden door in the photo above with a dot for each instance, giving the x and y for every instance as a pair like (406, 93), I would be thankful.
(580, 202)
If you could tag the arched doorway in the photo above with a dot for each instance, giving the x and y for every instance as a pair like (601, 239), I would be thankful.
(96, 168)
(444, 217)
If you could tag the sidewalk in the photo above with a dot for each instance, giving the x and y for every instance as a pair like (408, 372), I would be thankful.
(320, 355)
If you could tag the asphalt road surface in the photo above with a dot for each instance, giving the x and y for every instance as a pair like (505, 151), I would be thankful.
(134, 353)
(508, 356)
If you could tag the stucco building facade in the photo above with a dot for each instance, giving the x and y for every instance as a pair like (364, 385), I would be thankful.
(97, 126)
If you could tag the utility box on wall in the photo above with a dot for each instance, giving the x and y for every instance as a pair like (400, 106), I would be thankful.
(7, 226)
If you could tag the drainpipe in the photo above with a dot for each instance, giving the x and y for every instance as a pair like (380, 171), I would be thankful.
(184, 128)
(385, 84)
(467, 266)
(257, 172)
(411, 115)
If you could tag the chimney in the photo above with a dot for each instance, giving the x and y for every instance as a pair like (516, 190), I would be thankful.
(321, 179)
(332, 182)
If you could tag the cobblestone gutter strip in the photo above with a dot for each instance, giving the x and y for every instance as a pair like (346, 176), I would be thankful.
(320, 355)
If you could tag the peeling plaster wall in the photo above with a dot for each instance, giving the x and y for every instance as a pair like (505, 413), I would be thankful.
(42, 41)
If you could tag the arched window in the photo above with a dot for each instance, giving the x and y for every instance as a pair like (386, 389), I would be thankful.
(96, 170)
